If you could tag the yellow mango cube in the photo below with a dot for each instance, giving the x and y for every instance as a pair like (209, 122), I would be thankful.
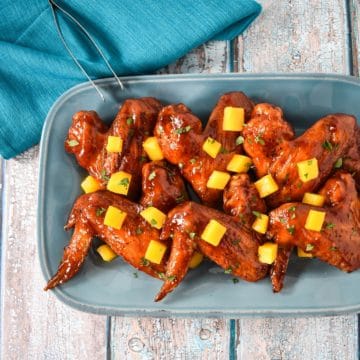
(211, 147)
(106, 253)
(213, 232)
(234, 118)
(266, 186)
(154, 217)
(114, 217)
(90, 184)
(308, 169)
(313, 199)
(153, 149)
(315, 220)
(196, 260)
(303, 254)
(267, 253)
(155, 251)
(114, 144)
(119, 183)
(261, 223)
(218, 180)
(239, 164)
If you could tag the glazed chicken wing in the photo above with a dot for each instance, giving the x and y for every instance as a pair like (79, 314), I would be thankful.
(87, 140)
(338, 243)
(237, 252)
(130, 242)
(273, 151)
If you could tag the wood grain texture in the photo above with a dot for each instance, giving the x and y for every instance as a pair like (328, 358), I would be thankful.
(35, 325)
(354, 17)
(297, 36)
(170, 339)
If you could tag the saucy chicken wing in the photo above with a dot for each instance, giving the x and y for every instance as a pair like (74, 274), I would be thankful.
(130, 242)
(237, 252)
(273, 151)
(87, 140)
(338, 242)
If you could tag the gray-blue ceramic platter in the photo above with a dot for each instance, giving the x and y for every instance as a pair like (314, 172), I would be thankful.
(311, 287)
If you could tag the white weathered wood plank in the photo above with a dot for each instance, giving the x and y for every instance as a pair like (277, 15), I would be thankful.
(177, 338)
(35, 325)
(297, 36)
(355, 34)
(170, 339)
(315, 338)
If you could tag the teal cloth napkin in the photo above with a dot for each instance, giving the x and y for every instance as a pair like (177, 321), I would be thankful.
(136, 36)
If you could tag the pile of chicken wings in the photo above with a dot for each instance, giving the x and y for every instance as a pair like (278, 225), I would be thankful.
(267, 138)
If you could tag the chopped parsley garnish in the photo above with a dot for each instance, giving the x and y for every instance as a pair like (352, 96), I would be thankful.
(293, 215)
(153, 222)
(124, 182)
(135, 275)
(241, 216)
(239, 140)
(192, 235)
(162, 275)
(72, 143)
(292, 208)
(282, 220)
(338, 164)
(104, 176)
(327, 145)
(168, 278)
(171, 278)
(235, 280)
(152, 175)
(129, 121)
(309, 247)
(333, 248)
(142, 158)
(223, 150)
(259, 140)
(192, 161)
(180, 199)
(257, 214)
(100, 211)
(306, 175)
(210, 140)
(139, 231)
(183, 130)
(144, 262)
(228, 271)
(309, 162)
(291, 229)
(330, 225)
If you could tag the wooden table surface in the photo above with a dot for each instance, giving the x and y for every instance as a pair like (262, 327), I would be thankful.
(289, 36)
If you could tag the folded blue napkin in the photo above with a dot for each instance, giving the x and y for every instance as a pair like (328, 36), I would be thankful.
(136, 36)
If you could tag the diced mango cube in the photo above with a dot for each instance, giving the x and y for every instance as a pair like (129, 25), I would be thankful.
(155, 251)
(211, 147)
(313, 199)
(196, 260)
(267, 253)
(114, 217)
(266, 186)
(106, 253)
(308, 169)
(234, 118)
(261, 223)
(114, 144)
(213, 232)
(153, 149)
(218, 180)
(119, 183)
(315, 220)
(154, 217)
(304, 254)
(90, 184)
(239, 164)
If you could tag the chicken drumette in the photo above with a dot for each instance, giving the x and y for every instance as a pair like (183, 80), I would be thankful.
(87, 139)
(338, 242)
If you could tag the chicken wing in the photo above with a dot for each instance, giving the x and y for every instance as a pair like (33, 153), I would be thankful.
(87, 139)
(272, 152)
(338, 243)
(162, 185)
(180, 136)
(237, 252)
(130, 242)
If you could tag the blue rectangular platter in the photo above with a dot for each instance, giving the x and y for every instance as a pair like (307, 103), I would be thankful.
(311, 287)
